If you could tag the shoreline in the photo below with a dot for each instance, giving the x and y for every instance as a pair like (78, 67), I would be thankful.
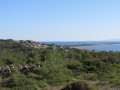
(84, 45)
(91, 44)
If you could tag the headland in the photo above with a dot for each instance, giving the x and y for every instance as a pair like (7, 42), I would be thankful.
(90, 44)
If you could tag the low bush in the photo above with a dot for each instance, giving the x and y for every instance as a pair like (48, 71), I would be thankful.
(80, 85)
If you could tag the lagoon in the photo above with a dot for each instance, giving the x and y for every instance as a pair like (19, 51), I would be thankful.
(111, 47)
(103, 47)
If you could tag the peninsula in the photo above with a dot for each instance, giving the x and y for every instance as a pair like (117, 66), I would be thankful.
(90, 44)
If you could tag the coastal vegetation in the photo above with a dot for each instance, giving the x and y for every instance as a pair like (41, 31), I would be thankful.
(59, 67)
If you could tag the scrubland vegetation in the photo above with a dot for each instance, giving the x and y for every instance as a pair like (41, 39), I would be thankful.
(60, 66)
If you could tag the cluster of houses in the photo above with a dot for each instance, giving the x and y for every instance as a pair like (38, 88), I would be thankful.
(7, 70)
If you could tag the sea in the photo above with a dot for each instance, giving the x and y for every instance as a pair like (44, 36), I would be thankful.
(110, 47)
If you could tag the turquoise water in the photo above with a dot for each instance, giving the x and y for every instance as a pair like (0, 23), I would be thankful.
(111, 47)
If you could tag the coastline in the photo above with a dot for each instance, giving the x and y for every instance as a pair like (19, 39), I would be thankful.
(84, 45)
(91, 44)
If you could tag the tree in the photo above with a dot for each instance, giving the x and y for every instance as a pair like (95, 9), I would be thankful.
(54, 69)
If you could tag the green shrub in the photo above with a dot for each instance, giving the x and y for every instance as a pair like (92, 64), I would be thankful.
(72, 79)
(54, 69)
(80, 85)
(43, 83)
(115, 82)
(18, 80)
(34, 76)
(103, 83)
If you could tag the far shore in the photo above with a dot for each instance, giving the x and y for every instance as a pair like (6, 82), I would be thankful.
(91, 44)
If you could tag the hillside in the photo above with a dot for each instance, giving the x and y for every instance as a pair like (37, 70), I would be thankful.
(33, 66)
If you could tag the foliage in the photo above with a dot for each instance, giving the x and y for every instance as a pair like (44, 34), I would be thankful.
(59, 66)
(54, 69)
(80, 85)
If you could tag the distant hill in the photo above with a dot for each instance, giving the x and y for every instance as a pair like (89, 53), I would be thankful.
(26, 43)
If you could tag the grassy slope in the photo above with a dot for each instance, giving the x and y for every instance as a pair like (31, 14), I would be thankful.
(101, 69)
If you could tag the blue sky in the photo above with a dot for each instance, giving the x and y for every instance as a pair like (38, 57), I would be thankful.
(60, 20)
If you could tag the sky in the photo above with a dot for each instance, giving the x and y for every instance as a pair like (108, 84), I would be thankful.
(60, 20)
